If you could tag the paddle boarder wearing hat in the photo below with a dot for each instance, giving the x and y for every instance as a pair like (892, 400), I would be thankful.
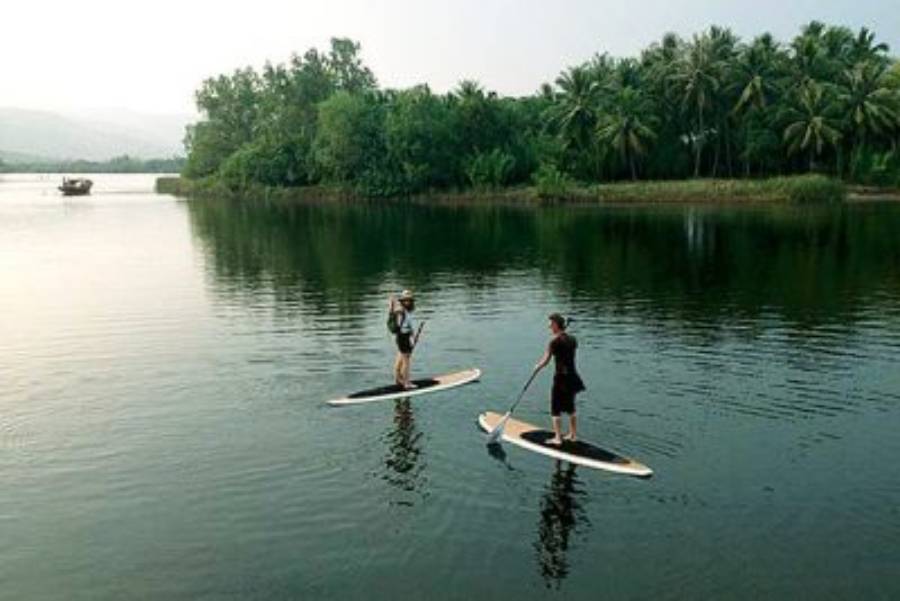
(566, 381)
(401, 312)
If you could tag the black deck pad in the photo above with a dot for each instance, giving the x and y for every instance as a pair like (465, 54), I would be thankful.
(393, 388)
(577, 448)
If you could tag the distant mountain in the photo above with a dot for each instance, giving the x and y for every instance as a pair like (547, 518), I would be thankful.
(18, 157)
(90, 135)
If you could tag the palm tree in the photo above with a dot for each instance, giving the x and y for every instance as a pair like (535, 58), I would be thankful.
(838, 45)
(870, 106)
(658, 62)
(575, 110)
(754, 82)
(698, 78)
(864, 48)
(755, 75)
(809, 60)
(723, 45)
(811, 126)
(627, 129)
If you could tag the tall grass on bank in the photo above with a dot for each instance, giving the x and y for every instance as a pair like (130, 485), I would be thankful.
(551, 185)
(799, 189)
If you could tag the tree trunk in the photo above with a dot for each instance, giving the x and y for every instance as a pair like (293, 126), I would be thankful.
(840, 160)
(728, 160)
(747, 154)
(715, 167)
(631, 164)
(698, 146)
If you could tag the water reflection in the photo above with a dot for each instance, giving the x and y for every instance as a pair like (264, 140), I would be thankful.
(404, 466)
(562, 516)
(697, 264)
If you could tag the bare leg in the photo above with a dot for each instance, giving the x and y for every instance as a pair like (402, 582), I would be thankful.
(573, 432)
(407, 367)
(398, 369)
(557, 438)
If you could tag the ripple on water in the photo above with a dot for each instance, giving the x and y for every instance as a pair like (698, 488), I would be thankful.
(162, 403)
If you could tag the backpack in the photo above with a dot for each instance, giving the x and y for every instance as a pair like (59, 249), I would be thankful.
(392, 325)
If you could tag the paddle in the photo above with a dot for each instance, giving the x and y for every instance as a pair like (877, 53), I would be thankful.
(415, 341)
(494, 434)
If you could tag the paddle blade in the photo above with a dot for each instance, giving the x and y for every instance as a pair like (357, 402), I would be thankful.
(494, 435)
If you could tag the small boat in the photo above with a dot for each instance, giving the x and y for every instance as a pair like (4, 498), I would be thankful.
(76, 186)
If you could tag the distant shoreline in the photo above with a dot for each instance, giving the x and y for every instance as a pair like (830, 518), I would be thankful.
(786, 190)
(121, 164)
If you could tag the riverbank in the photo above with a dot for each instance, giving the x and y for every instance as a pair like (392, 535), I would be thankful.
(794, 189)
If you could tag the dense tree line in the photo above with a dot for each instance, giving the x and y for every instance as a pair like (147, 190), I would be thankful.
(121, 164)
(708, 106)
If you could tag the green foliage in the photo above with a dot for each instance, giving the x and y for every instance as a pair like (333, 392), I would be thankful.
(811, 188)
(420, 139)
(811, 122)
(121, 164)
(490, 170)
(627, 127)
(877, 168)
(551, 183)
(350, 138)
(275, 111)
(799, 188)
(712, 106)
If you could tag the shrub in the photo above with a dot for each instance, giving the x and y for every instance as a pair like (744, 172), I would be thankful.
(550, 182)
(490, 170)
(812, 188)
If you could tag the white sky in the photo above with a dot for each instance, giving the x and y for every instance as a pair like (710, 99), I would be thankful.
(151, 56)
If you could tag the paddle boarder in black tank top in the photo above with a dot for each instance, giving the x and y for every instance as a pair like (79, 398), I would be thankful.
(566, 381)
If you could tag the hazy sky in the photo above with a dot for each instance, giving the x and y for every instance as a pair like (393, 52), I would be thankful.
(151, 56)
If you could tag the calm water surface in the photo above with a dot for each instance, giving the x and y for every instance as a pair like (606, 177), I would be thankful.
(164, 363)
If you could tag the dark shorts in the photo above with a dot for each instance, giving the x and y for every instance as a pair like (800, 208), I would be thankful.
(562, 395)
(404, 343)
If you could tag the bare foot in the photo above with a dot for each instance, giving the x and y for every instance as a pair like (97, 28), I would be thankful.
(570, 437)
(410, 386)
(555, 441)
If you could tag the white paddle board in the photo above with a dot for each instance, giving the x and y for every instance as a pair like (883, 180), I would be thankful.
(535, 439)
(423, 386)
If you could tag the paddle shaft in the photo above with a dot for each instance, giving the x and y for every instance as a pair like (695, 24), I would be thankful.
(494, 434)
(524, 389)
(416, 338)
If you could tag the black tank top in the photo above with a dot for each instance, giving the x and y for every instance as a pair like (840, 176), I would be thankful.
(562, 348)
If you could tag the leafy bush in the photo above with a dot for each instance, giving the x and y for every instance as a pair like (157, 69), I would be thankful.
(550, 182)
(377, 183)
(811, 188)
(490, 170)
(878, 168)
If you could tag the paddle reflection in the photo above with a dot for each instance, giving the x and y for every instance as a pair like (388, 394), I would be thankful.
(562, 515)
(404, 457)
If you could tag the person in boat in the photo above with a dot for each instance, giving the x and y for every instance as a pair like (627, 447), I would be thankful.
(566, 381)
(401, 311)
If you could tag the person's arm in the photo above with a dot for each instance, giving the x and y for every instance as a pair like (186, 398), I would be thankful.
(545, 359)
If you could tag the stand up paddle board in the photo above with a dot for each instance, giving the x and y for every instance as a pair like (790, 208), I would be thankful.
(534, 439)
(424, 386)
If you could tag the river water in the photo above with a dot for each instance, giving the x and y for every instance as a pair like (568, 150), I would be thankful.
(164, 365)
